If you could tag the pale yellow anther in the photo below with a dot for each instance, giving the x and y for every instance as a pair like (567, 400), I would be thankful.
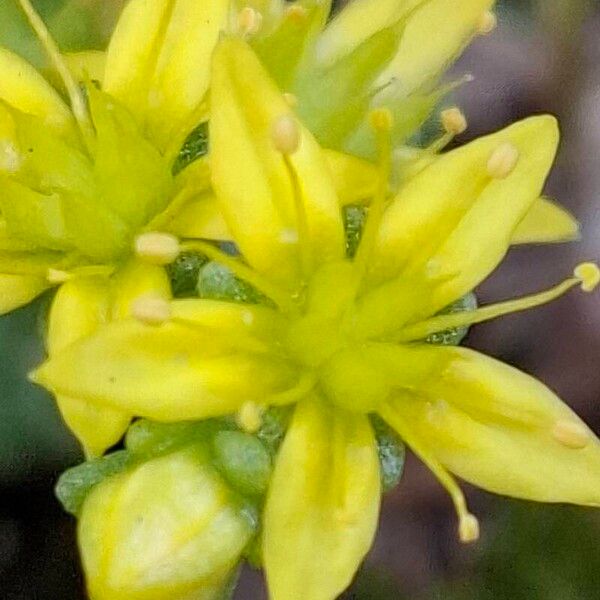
(453, 120)
(249, 21)
(381, 119)
(285, 134)
(157, 248)
(468, 528)
(571, 434)
(589, 275)
(291, 99)
(487, 23)
(57, 276)
(249, 417)
(10, 158)
(503, 161)
(151, 310)
(296, 12)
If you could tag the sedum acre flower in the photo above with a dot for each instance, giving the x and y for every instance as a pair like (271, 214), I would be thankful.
(342, 335)
(167, 529)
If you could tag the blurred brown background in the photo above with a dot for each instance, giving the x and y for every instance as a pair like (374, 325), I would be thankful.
(544, 57)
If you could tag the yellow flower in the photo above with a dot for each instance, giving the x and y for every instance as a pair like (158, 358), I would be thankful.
(167, 529)
(343, 338)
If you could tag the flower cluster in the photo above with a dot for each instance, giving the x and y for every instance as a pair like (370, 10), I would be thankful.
(255, 265)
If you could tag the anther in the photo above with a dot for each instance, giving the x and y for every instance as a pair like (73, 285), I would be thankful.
(381, 119)
(285, 134)
(57, 276)
(468, 528)
(296, 13)
(249, 21)
(157, 248)
(249, 417)
(453, 120)
(589, 275)
(151, 310)
(10, 159)
(503, 161)
(487, 23)
(571, 434)
(291, 99)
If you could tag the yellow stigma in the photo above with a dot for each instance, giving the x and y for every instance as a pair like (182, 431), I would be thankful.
(589, 275)
(487, 23)
(381, 119)
(468, 528)
(249, 417)
(157, 248)
(286, 135)
(503, 161)
(249, 21)
(571, 434)
(151, 310)
(453, 120)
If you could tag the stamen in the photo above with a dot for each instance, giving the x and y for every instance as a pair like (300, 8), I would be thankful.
(249, 417)
(279, 295)
(151, 310)
(249, 21)
(382, 122)
(571, 434)
(157, 248)
(296, 12)
(454, 121)
(503, 161)
(285, 135)
(78, 102)
(57, 276)
(468, 525)
(487, 23)
(587, 275)
(10, 158)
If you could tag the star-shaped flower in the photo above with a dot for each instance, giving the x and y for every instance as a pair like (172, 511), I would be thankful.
(342, 338)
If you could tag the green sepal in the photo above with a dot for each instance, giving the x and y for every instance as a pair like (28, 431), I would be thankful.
(455, 335)
(184, 273)
(74, 485)
(146, 439)
(391, 451)
(195, 146)
(216, 282)
(243, 461)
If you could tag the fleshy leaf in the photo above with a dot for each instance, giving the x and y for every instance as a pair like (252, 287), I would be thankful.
(324, 495)
(250, 178)
(504, 431)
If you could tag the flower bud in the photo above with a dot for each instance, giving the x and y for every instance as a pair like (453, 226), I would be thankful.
(167, 529)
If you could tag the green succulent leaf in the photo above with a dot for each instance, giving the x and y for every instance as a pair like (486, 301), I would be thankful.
(455, 335)
(391, 452)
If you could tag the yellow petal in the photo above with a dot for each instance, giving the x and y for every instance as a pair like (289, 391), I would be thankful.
(135, 280)
(355, 180)
(356, 23)
(24, 88)
(422, 57)
(504, 431)
(429, 233)
(323, 503)
(201, 218)
(18, 290)
(158, 60)
(87, 66)
(546, 222)
(79, 308)
(250, 178)
(171, 372)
